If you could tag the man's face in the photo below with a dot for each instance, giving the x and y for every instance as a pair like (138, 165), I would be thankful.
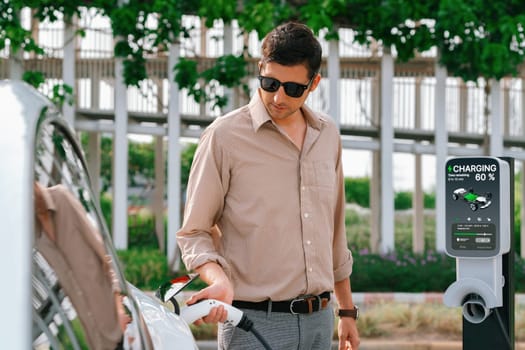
(279, 104)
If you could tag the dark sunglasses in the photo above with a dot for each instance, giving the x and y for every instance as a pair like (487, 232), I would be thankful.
(291, 89)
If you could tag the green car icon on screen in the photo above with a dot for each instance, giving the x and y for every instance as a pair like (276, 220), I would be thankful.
(475, 201)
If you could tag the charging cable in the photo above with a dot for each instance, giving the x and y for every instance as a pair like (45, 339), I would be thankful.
(235, 317)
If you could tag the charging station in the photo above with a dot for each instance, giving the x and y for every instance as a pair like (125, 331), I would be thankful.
(479, 234)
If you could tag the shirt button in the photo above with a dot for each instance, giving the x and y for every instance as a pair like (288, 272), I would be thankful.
(310, 269)
(303, 188)
(308, 242)
(306, 215)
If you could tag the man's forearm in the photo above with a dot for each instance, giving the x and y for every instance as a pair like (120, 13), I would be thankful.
(343, 293)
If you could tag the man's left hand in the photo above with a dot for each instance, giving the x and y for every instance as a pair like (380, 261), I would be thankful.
(348, 334)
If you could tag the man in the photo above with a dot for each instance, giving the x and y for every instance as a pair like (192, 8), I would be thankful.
(264, 221)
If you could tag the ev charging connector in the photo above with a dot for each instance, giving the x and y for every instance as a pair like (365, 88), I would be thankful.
(477, 233)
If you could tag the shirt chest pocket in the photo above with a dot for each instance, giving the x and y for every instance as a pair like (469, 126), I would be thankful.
(320, 174)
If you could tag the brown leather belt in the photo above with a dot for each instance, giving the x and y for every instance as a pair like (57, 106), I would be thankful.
(304, 304)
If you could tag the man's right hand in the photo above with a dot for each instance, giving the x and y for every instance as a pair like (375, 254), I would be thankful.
(219, 288)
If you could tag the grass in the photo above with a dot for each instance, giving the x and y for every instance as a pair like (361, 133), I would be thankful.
(434, 321)
(400, 320)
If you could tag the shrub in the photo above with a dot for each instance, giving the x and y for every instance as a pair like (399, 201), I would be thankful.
(429, 200)
(403, 200)
(147, 269)
(357, 190)
(141, 229)
(402, 271)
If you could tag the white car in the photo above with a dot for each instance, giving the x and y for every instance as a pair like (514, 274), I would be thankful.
(49, 303)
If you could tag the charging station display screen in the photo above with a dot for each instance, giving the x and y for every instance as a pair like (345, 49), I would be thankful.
(473, 236)
(472, 205)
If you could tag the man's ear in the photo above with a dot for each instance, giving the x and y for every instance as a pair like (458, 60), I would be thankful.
(315, 82)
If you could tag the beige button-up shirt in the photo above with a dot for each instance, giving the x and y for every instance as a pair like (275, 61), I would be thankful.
(280, 210)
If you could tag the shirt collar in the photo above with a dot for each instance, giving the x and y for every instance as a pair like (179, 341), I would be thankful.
(260, 116)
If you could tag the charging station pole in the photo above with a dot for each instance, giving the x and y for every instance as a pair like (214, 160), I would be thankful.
(480, 235)
(497, 331)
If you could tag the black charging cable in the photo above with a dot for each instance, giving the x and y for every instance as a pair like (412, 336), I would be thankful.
(247, 325)
(503, 330)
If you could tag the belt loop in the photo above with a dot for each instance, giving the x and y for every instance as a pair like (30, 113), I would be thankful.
(269, 311)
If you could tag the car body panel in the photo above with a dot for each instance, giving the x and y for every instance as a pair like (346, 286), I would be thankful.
(37, 145)
(166, 327)
(15, 207)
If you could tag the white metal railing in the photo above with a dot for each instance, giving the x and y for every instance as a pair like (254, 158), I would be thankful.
(413, 107)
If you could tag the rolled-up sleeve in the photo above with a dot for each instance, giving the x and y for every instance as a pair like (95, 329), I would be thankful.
(207, 187)
(343, 260)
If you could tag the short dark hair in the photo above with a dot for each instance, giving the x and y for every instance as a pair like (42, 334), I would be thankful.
(290, 44)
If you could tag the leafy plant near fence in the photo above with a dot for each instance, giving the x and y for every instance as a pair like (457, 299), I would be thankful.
(402, 271)
(145, 268)
(357, 190)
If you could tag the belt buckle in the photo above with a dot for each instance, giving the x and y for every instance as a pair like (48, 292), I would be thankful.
(307, 298)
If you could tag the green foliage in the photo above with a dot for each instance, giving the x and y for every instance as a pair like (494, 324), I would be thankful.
(357, 229)
(205, 86)
(405, 271)
(106, 206)
(429, 200)
(475, 38)
(65, 338)
(212, 10)
(263, 16)
(395, 23)
(480, 39)
(50, 9)
(402, 271)
(141, 232)
(403, 200)
(519, 274)
(141, 160)
(62, 93)
(33, 78)
(186, 160)
(145, 268)
(357, 190)
(186, 74)
(11, 30)
(321, 14)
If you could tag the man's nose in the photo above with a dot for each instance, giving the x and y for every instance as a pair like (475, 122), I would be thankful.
(279, 95)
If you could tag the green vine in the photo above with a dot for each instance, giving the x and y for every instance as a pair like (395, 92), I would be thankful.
(228, 71)
(474, 38)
